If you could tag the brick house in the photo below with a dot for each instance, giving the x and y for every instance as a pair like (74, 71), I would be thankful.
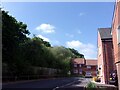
(105, 54)
(78, 65)
(83, 67)
(116, 37)
(91, 67)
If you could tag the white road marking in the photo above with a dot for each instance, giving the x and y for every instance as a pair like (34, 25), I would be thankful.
(64, 85)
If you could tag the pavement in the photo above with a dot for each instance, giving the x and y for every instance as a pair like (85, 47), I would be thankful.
(103, 85)
(81, 83)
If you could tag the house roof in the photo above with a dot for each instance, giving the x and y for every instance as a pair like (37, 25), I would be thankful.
(91, 62)
(79, 61)
(105, 33)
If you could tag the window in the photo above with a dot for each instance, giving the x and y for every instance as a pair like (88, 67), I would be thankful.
(75, 65)
(88, 66)
(80, 71)
(88, 73)
(80, 65)
(75, 71)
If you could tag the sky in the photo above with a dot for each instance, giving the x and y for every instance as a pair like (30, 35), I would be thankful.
(69, 24)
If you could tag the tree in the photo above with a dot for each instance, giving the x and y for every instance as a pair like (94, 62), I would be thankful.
(63, 57)
(13, 34)
(76, 53)
(47, 44)
(21, 53)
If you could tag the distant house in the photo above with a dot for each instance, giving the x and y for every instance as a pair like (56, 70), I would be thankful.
(105, 54)
(91, 67)
(78, 65)
(116, 38)
(83, 67)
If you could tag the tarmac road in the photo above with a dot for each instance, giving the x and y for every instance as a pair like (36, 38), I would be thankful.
(47, 84)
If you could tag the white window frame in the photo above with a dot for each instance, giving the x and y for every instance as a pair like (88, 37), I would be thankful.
(80, 65)
(88, 73)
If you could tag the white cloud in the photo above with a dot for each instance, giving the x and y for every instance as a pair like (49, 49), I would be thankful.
(44, 38)
(73, 44)
(69, 35)
(89, 50)
(46, 28)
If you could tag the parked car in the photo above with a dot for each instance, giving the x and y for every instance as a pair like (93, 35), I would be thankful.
(113, 78)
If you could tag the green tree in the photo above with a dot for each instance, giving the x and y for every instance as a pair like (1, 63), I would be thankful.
(13, 34)
(21, 54)
(76, 53)
(63, 57)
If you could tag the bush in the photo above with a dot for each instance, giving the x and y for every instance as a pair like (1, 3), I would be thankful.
(91, 85)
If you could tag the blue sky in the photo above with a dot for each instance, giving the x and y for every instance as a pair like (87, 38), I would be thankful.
(70, 24)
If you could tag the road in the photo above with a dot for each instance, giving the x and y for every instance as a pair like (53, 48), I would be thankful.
(47, 84)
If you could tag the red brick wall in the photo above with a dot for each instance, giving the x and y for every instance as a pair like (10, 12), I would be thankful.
(93, 69)
(105, 58)
(115, 24)
(77, 68)
(108, 62)
(118, 73)
(100, 54)
(119, 52)
(100, 59)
